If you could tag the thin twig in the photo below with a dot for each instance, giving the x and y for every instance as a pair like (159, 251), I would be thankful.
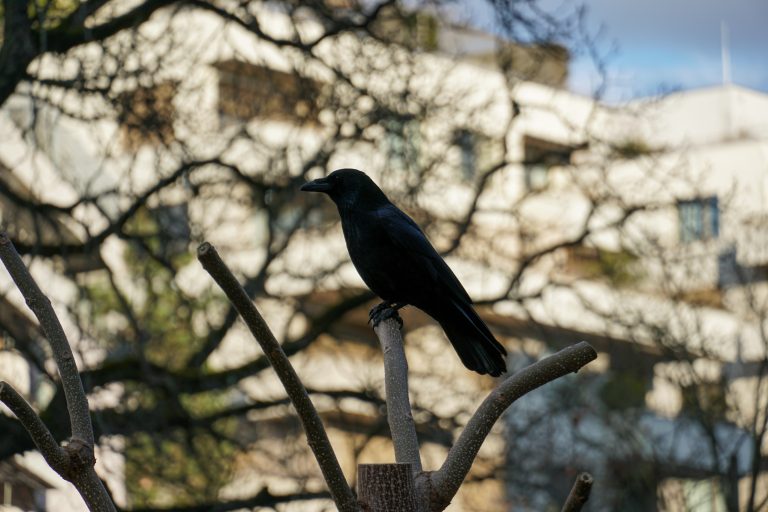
(579, 493)
(399, 415)
(446, 481)
(316, 436)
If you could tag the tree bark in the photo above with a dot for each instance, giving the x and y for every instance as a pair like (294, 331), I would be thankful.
(386, 487)
(317, 438)
(74, 462)
(399, 415)
(579, 493)
(444, 483)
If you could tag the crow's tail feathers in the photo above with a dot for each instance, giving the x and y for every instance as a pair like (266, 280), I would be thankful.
(473, 341)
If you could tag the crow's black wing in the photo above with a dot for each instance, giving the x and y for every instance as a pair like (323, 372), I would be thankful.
(451, 306)
(405, 234)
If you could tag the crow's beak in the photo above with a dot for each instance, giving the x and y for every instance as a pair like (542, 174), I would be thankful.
(320, 185)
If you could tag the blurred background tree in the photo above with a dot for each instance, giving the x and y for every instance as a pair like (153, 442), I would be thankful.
(134, 130)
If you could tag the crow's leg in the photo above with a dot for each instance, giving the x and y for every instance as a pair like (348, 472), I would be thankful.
(377, 309)
(384, 310)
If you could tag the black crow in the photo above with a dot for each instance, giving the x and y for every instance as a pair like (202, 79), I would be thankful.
(397, 262)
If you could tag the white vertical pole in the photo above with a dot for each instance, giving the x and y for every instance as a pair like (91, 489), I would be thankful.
(725, 53)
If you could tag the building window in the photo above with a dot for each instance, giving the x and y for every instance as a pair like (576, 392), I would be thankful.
(536, 177)
(705, 398)
(416, 31)
(478, 152)
(146, 115)
(465, 140)
(624, 390)
(248, 91)
(403, 140)
(540, 156)
(699, 219)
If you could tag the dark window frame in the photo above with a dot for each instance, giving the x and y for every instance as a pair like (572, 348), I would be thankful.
(539, 157)
(254, 91)
(146, 115)
(698, 219)
(478, 152)
(403, 142)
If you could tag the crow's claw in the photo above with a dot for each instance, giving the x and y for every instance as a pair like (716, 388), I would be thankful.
(383, 311)
(377, 309)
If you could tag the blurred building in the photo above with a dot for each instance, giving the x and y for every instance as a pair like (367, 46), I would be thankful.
(674, 292)
(657, 212)
(22, 488)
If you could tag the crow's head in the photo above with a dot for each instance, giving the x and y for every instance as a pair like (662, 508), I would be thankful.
(347, 187)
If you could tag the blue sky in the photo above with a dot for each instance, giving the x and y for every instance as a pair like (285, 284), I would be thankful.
(670, 44)
(661, 45)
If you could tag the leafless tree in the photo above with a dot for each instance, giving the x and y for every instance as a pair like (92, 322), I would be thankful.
(166, 123)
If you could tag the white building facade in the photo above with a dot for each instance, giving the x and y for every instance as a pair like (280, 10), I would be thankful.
(643, 228)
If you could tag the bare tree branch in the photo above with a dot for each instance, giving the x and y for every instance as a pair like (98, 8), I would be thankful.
(316, 434)
(77, 403)
(399, 414)
(37, 430)
(78, 459)
(579, 493)
(446, 481)
(74, 32)
(116, 226)
(263, 498)
(18, 46)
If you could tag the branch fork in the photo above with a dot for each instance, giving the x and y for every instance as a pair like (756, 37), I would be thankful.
(431, 491)
(436, 489)
(75, 461)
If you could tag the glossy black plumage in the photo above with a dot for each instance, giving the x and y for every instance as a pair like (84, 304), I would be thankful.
(397, 262)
